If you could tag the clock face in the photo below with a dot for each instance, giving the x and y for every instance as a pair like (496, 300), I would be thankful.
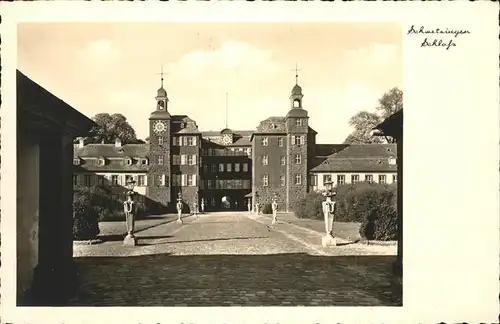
(226, 139)
(159, 127)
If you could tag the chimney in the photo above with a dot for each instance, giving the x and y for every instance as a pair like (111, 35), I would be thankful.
(118, 142)
(81, 142)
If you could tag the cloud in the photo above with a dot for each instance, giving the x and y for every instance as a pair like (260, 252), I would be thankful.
(229, 67)
(374, 55)
(101, 50)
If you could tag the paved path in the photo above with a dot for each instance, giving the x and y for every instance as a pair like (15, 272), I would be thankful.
(232, 259)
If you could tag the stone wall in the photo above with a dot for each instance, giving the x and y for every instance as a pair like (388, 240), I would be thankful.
(27, 211)
(160, 194)
(274, 170)
(296, 192)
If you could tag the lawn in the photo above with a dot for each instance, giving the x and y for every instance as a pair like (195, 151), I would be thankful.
(348, 231)
(119, 228)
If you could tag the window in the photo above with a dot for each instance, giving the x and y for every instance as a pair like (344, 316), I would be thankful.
(228, 167)
(265, 141)
(265, 180)
(160, 159)
(190, 141)
(354, 178)
(212, 201)
(236, 167)
(87, 179)
(369, 178)
(249, 151)
(221, 167)
(340, 179)
(160, 140)
(101, 180)
(190, 180)
(298, 179)
(327, 178)
(283, 160)
(282, 180)
(394, 178)
(297, 140)
(298, 122)
(128, 178)
(210, 184)
(141, 180)
(189, 160)
(314, 179)
(245, 167)
(175, 141)
(75, 179)
(381, 178)
(214, 167)
(392, 161)
(76, 161)
(159, 180)
(114, 179)
(128, 161)
(280, 142)
(100, 161)
(265, 160)
(144, 161)
(205, 168)
(298, 159)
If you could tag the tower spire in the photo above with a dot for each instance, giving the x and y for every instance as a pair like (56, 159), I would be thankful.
(161, 74)
(296, 73)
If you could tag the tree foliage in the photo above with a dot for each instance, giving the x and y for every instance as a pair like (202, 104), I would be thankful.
(363, 122)
(109, 127)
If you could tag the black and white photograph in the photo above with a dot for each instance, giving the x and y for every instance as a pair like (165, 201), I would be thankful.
(227, 170)
(222, 162)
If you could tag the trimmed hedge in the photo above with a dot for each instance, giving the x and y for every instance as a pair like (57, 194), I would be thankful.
(310, 206)
(108, 206)
(371, 204)
(85, 218)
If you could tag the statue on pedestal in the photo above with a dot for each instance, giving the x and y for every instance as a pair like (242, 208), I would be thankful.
(129, 210)
(274, 206)
(195, 207)
(249, 205)
(329, 213)
(202, 205)
(257, 208)
(179, 209)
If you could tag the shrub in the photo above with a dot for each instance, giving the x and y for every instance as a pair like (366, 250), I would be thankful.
(267, 209)
(85, 219)
(378, 207)
(109, 206)
(310, 206)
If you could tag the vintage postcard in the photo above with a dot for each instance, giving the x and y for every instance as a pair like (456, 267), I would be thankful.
(240, 162)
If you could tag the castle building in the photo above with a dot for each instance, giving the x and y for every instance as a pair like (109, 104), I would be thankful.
(229, 169)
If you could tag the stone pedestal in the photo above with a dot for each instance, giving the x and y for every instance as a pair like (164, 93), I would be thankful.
(329, 240)
(130, 240)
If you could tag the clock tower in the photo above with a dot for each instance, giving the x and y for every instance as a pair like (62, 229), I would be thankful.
(159, 150)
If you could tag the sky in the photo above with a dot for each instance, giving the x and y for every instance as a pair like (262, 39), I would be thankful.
(115, 67)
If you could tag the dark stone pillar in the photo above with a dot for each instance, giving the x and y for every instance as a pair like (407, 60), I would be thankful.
(54, 278)
(398, 265)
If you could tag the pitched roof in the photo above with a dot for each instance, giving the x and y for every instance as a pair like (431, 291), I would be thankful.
(111, 151)
(218, 133)
(355, 165)
(354, 158)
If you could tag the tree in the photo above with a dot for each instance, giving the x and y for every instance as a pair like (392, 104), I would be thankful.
(109, 127)
(363, 122)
